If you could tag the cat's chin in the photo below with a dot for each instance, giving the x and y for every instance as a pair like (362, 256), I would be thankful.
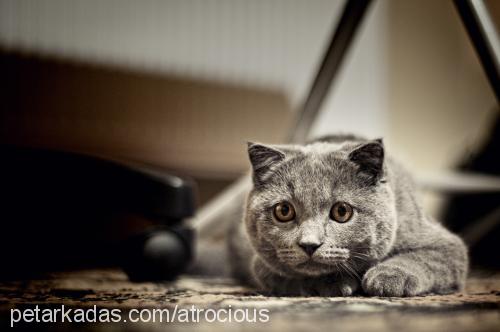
(314, 269)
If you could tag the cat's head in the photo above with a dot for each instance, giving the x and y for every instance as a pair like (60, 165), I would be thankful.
(320, 208)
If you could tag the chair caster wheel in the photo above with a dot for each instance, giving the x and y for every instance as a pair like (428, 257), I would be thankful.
(160, 253)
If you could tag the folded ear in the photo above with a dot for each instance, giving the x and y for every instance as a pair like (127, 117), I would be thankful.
(263, 158)
(370, 159)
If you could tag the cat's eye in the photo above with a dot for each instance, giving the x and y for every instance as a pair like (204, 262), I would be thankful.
(284, 212)
(341, 212)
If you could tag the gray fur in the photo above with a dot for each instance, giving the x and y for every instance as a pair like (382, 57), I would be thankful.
(388, 248)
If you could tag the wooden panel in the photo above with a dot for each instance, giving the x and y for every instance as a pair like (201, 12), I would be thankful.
(197, 127)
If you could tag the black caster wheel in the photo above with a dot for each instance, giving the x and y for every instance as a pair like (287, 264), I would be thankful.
(160, 253)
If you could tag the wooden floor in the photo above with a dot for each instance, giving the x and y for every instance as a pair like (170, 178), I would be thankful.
(478, 309)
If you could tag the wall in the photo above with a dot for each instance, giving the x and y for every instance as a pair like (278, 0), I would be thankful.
(440, 105)
(273, 44)
(440, 101)
(358, 97)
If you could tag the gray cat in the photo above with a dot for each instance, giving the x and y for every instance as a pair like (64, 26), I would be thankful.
(337, 217)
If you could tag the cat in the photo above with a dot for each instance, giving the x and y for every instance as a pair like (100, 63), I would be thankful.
(337, 217)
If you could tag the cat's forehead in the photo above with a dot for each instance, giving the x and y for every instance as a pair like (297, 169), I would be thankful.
(316, 160)
(319, 149)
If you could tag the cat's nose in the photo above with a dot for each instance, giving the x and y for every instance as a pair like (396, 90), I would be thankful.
(309, 247)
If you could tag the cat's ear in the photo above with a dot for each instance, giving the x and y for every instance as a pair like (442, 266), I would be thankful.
(263, 158)
(370, 159)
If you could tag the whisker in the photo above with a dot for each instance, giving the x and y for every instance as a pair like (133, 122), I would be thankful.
(339, 268)
(363, 259)
(357, 251)
(361, 248)
(346, 270)
(354, 273)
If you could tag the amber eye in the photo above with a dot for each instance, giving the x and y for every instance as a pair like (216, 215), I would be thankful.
(284, 212)
(341, 212)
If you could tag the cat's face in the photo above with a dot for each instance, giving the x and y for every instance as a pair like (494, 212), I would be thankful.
(321, 208)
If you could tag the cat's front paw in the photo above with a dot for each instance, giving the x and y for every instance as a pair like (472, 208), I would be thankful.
(391, 280)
